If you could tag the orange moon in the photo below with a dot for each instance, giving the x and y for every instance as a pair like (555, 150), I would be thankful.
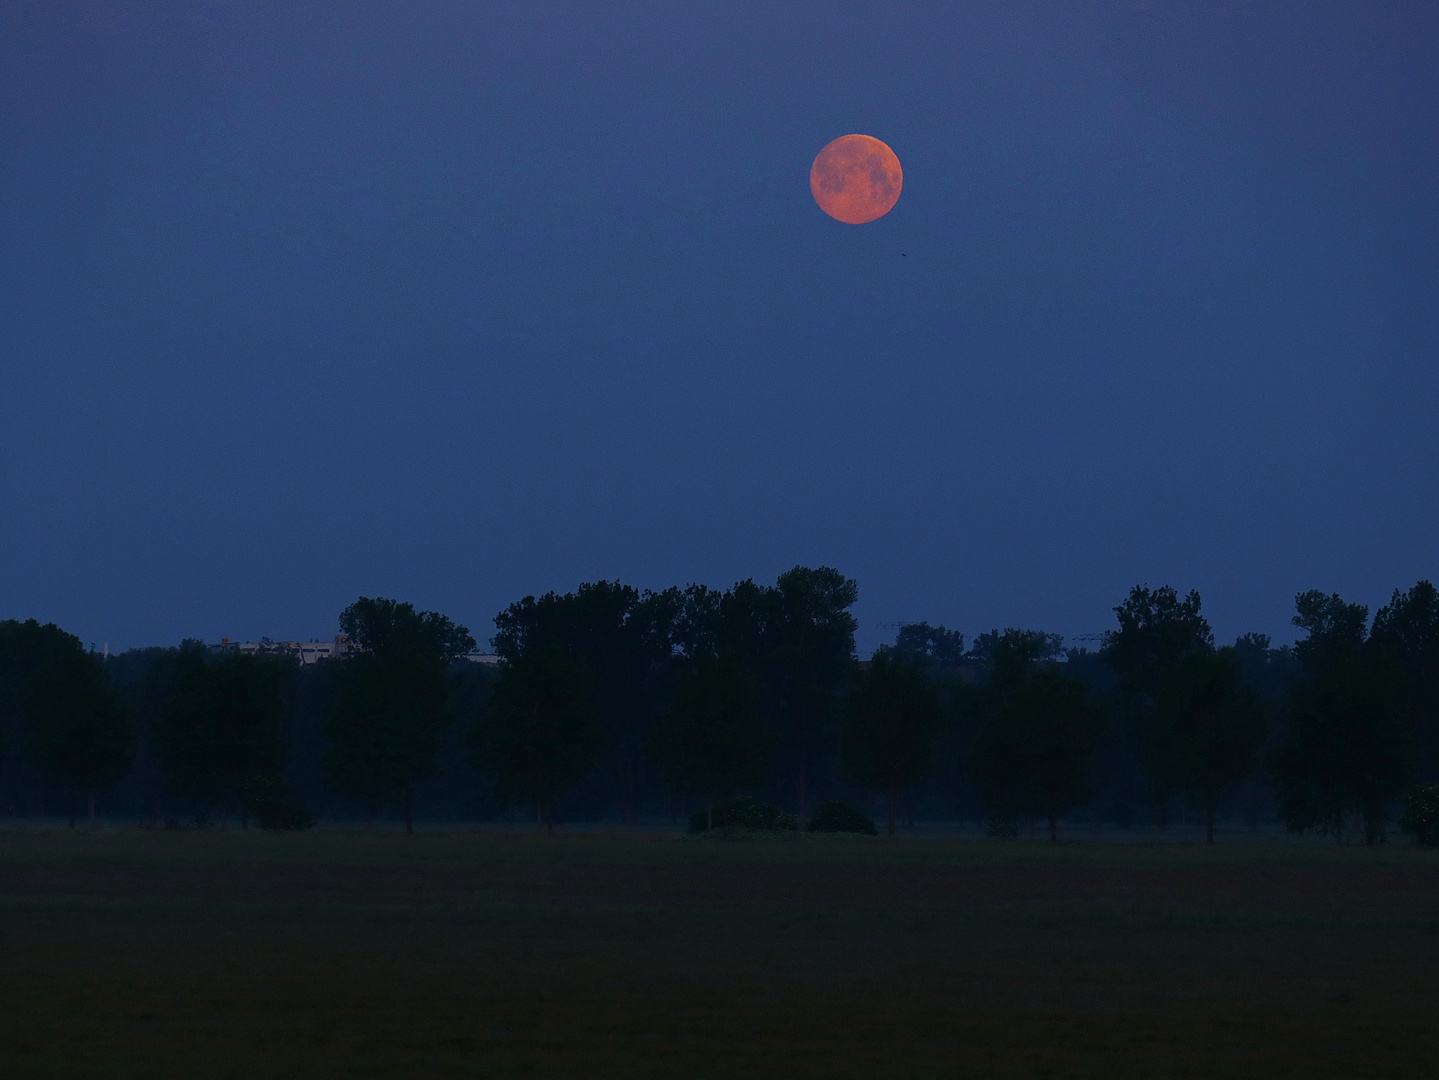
(856, 179)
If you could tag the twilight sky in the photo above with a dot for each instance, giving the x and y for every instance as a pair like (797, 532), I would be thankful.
(455, 302)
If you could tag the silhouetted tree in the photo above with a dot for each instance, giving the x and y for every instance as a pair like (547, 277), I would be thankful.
(221, 732)
(1031, 757)
(713, 739)
(1265, 669)
(537, 738)
(933, 646)
(1408, 628)
(1156, 630)
(148, 680)
(743, 620)
(813, 651)
(385, 730)
(1349, 742)
(1348, 746)
(890, 722)
(27, 649)
(1335, 628)
(1013, 651)
(623, 638)
(1207, 728)
(80, 735)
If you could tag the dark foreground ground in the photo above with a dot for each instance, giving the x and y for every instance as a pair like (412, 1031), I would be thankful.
(203, 955)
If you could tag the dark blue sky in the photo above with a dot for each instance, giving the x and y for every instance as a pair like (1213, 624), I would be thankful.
(459, 302)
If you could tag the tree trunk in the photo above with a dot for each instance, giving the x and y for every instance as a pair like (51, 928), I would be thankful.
(889, 801)
(409, 810)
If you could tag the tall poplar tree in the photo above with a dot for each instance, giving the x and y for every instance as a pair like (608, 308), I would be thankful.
(385, 731)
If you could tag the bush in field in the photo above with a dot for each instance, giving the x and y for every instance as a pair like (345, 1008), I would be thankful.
(1421, 814)
(743, 813)
(839, 817)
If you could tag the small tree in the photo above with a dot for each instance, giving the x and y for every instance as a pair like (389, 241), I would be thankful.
(1031, 757)
(221, 730)
(80, 735)
(1207, 728)
(1348, 746)
(890, 723)
(537, 738)
(386, 727)
(713, 739)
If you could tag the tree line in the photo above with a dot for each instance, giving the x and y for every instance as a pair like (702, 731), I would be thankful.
(614, 701)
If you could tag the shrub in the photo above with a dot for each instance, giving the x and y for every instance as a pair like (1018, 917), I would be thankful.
(1421, 814)
(743, 813)
(839, 817)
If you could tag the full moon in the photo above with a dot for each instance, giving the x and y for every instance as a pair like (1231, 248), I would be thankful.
(856, 179)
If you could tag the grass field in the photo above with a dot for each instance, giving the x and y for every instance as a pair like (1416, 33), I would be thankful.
(127, 953)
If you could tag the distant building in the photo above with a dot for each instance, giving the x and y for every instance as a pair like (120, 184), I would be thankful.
(306, 652)
(312, 652)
